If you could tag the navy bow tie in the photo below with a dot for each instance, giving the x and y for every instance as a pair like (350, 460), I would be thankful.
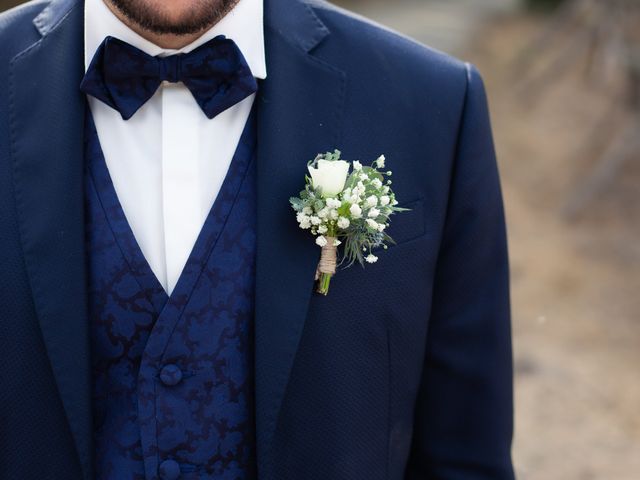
(125, 77)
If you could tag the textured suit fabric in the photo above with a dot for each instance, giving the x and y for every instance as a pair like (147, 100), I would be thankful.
(402, 372)
(172, 375)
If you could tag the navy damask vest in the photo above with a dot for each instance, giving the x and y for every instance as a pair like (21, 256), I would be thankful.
(173, 375)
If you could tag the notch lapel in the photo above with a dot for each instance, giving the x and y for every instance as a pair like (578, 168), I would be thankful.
(47, 116)
(299, 111)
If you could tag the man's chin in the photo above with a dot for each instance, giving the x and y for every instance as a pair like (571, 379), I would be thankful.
(176, 18)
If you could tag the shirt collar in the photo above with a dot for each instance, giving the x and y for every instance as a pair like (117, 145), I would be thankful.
(243, 24)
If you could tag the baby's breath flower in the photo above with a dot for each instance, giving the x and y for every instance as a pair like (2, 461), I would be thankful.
(371, 258)
(343, 222)
(333, 214)
(364, 177)
(336, 242)
(380, 161)
(376, 183)
(385, 190)
(355, 210)
(307, 210)
(333, 203)
(357, 165)
(384, 200)
(315, 220)
(323, 213)
(322, 229)
(373, 213)
(381, 227)
(372, 223)
(305, 223)
(372, 201)
(321, 241)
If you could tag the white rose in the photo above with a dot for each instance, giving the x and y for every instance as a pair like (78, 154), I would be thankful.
(356, 211)
(321, 241)
(329, 176)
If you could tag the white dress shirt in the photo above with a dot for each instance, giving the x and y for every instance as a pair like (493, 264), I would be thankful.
(168, 161)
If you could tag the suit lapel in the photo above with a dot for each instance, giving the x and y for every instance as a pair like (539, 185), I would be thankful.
(47, 118)
(299, 110)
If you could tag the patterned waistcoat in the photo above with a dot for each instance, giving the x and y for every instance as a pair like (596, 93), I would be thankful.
(173, 375)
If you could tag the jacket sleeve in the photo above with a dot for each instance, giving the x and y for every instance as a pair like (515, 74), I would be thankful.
(463, 418)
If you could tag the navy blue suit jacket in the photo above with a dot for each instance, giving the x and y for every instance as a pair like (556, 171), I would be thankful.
(403, 371)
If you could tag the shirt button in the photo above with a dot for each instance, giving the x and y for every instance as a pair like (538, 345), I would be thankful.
(169, 470)
(170, 375)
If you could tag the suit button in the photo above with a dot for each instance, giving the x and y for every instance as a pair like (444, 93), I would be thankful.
(170, 375)
(169, 470)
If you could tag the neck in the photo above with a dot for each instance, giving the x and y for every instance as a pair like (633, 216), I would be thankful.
(163, 40)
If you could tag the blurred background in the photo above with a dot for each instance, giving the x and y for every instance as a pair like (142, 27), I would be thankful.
(563, 79)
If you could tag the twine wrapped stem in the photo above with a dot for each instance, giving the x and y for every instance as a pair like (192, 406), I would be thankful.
(327, 265)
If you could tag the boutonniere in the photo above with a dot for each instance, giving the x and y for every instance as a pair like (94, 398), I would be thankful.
(345, 208)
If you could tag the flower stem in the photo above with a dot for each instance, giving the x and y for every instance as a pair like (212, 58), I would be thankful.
(323, 283)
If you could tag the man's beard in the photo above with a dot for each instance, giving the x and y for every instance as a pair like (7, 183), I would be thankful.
(149, 16)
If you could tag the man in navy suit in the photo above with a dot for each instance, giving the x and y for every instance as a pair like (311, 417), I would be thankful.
(158, 318)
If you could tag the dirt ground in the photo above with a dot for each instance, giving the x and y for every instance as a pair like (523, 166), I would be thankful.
(575, 284)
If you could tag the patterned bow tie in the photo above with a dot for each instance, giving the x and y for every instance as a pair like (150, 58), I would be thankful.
(125, 77)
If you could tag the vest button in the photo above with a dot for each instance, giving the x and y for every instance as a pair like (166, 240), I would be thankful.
(170, 375)
(169, 470)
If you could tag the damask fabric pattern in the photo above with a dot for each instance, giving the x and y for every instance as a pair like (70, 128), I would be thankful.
(173, 375)
(124, 77)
